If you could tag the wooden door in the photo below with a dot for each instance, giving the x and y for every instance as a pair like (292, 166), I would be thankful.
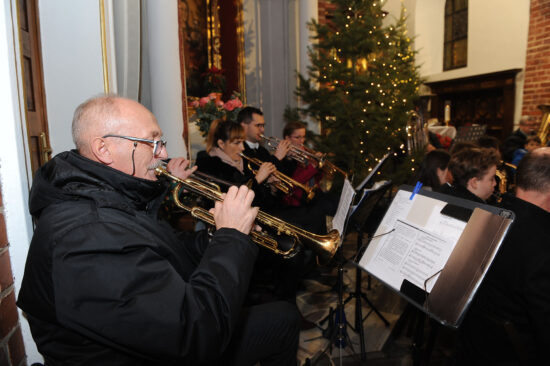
(35, 102)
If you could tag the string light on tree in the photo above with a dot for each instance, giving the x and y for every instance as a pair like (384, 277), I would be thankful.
(368, 85)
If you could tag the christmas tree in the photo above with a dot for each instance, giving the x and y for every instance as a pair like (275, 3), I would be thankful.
(361, 86)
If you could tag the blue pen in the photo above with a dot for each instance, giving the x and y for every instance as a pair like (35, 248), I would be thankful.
(416, 189)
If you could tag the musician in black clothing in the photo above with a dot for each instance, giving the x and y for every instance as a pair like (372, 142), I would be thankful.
(222, 160)
(473, 172)
(253, 122)
(508, 322)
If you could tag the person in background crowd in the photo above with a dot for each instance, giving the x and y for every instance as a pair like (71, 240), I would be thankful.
(490, 142)
(434, 170)
(473, 172)
(531, 143)
(527, 127)
(108, 283)
(508, 322)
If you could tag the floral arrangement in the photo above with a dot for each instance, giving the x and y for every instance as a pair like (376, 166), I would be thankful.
(210, 108)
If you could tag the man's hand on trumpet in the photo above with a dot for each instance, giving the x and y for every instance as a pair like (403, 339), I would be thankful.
(179, 168)
(235, 212)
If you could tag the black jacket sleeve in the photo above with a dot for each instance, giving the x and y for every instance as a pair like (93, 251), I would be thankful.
(134, 296)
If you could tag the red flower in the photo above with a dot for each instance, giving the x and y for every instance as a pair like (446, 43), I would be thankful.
(232, 104)
(203, 101)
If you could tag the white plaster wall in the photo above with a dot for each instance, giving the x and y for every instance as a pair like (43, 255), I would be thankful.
(497, 40)
(72, 62)
(497, 37)
(166, 88)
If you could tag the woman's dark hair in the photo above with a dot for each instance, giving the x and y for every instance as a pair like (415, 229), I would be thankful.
(470, 163)
(428, 171)
(291, 127)
(223, 130)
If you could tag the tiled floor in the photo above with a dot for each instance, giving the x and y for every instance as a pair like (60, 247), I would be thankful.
(382, 347)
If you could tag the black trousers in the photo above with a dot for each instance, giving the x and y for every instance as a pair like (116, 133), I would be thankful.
(268, 334)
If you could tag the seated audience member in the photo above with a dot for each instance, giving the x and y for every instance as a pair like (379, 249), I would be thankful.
(527, 127)
(473, 172)
(508, 322)
(434, 170)
(531, 143)
(108, 283)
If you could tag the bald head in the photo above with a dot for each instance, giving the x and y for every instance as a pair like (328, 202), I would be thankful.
(99, 116)
(533, 178)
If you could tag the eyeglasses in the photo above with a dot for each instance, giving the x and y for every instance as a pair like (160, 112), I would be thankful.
(156, 148)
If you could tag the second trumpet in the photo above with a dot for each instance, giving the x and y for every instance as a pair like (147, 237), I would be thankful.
(284, 183)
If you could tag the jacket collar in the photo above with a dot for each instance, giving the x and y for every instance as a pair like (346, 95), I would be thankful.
(70, 176)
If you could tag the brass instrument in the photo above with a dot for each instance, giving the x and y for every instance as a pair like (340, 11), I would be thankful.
(303, 154)
(324, 246)
(544, 129)
(503, 184)
(283, 183)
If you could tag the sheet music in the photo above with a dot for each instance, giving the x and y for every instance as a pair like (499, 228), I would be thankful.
(410, 253)
(339, 220)
(418, 249)
(419, 245)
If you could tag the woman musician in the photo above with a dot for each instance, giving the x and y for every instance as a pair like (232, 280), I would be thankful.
(222, 160)
(306, 172)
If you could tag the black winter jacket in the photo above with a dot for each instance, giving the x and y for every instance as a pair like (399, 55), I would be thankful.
(108, 283)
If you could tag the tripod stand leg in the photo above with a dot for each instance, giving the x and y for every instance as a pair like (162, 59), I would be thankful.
(371, 305)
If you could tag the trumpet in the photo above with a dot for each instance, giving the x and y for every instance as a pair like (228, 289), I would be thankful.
(300, 155)
(283, 183)
(324, 246)
(303, 155)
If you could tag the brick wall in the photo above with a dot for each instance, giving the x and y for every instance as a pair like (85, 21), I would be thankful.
(12, 351)
(325, 9)
(536, 89)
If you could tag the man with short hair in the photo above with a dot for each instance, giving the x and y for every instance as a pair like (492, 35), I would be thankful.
(528, 126)
(109, 283)
(253, 122)
(509, 320)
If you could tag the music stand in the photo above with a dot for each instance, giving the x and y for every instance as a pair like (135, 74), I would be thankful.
(336, 330)
(470, 133)
(358, 220)
(434, 250)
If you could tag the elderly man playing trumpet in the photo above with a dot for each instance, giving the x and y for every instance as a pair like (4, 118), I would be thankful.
(109, 283)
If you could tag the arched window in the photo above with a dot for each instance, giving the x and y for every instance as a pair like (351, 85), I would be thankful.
(455, 49)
